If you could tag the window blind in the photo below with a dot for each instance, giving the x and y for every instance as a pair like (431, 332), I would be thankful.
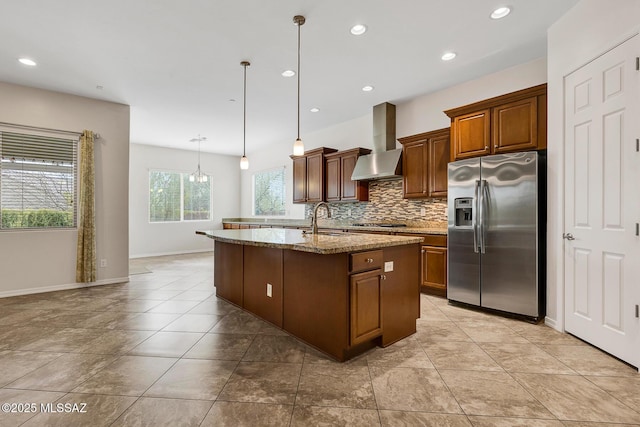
(37, 180)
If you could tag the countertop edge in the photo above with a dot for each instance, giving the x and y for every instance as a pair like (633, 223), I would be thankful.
(302, 247)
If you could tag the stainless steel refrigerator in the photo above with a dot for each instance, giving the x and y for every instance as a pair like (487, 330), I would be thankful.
(496, 234)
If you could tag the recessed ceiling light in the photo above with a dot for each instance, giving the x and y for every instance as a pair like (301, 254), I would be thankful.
(288, 73)
(27, 61)
(358, 29)
(500, 12)
(448, 56)
(367, 88)
(314, 110)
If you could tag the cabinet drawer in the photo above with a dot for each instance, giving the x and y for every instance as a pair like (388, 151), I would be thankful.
(429, 239)
(363, 261)
(435, 240)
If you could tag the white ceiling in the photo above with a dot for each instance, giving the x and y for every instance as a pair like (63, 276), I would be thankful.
(177, 63)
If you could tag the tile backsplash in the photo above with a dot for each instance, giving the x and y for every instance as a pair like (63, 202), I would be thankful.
(387, 205)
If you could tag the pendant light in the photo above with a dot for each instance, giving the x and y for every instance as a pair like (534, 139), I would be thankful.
(298, 146)
(198, 176)
(244, 162)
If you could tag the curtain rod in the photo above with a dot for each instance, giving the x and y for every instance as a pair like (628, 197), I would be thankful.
(95, 135)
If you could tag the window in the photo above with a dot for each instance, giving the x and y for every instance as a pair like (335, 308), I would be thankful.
(269, 193)
(172, 197)
(37, 180)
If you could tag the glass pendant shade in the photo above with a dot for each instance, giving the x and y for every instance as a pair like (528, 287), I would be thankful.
(298, 147)
(244, 163)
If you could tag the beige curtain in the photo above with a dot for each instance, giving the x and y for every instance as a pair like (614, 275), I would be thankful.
(86, 251)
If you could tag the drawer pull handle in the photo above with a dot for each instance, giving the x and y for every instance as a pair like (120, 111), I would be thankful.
(369, 260)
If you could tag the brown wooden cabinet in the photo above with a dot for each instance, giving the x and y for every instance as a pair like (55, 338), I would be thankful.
(365, 306)
(434, 265)
(513, 122)
(434, 270)
(309, 175)
(424, 164)
(338, 184)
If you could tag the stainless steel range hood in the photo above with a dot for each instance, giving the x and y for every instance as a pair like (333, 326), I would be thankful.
(386, 161)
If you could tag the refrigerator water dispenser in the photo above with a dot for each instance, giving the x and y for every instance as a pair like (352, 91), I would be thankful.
(464, 212)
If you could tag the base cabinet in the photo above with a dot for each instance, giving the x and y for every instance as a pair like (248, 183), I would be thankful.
(365, 306)
(342, 304)
(434, 270)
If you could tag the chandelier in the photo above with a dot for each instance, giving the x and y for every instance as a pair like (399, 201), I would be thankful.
(198, 176)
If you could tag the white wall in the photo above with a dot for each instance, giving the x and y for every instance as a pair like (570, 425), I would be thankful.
(148, 239)
(39, 261)
(421, 114)
(586, 31)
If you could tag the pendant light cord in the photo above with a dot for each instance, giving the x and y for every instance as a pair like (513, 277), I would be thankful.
(244, 123)
(299, 25)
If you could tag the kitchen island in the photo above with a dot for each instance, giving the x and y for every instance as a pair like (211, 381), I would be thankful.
(341, 293)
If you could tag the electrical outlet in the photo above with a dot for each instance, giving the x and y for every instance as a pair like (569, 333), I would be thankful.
(269, 290)
(349, 213)
(423, 211)
(103, 262)
(388, 266)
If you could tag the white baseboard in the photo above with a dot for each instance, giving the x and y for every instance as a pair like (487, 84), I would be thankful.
(64, 287)
(552, 323)
(148, 255)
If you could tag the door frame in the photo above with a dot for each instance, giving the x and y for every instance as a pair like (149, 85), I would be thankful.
(556, 182)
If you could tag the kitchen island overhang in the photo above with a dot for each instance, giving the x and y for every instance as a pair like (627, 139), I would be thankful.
(342, 294)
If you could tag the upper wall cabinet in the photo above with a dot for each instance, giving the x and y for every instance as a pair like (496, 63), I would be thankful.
(309, 175)
(424, 164)
(516, 121)
(338, 184)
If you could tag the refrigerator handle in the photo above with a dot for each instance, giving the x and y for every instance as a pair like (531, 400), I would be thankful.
(474, 218)
(481, 225)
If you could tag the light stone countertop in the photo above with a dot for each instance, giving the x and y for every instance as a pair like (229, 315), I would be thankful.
(440, 229)
(320, 243)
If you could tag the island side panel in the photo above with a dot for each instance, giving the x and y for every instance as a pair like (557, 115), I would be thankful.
(316, 300)
(228, 272)
(400, 293)
(263, 266)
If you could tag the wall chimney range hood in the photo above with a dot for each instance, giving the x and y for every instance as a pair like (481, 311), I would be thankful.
(386, 161)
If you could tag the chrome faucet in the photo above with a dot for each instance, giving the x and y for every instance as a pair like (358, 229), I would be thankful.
(314, 216)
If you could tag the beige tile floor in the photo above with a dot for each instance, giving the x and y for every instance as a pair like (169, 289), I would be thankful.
(161, 350)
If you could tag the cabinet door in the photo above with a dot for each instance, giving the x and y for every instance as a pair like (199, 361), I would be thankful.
(515, 126)
(414, 163)
(332, 179)
(315, 178)
(366, 306)
(434, 270)
(299, 180)
(470, 135)
(439, 152)
(352, 190)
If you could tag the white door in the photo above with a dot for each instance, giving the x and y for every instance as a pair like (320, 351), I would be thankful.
(602, 202)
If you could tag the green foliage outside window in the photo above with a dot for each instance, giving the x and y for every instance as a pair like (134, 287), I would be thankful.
(172, 197)
(269, 193)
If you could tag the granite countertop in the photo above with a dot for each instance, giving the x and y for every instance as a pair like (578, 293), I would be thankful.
(411, 228)
(317, 243)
